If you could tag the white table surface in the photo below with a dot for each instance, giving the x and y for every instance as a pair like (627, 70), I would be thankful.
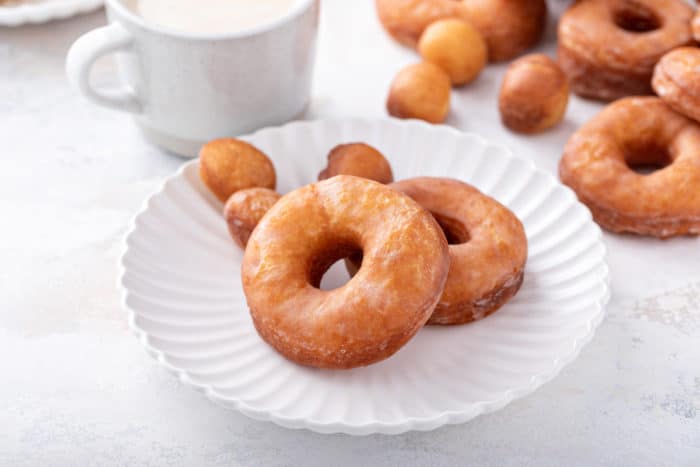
(76, 388)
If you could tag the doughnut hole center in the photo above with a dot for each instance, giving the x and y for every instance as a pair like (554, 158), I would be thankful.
(635, 17)
(646, 160)
(327, 270)
(455, 231)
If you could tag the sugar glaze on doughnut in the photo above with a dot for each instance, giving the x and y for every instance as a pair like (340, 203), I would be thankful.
(406, 262)
(637, 131)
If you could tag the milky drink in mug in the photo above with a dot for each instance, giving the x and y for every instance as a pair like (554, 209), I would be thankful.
(195, 70)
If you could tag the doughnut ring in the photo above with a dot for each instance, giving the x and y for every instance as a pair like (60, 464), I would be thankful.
(634, 132)
(675, 81)
(508, 26)
(406, 261)
(609, 48)
(488, 248)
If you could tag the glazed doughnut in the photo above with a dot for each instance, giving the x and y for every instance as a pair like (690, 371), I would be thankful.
(228, 165)
(508, 26)
(406, 261)
(608, 48)
(635, 132)
(244, 209)
(360, 160)
(677, 82)
(488, 248)
(534, 94)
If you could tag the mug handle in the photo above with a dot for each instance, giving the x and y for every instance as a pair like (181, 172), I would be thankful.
(83, 54)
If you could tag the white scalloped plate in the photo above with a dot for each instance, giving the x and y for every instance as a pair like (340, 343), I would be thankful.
(181, 283)
(41, 11)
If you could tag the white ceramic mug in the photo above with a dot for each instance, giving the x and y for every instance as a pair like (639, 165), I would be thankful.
(185, 89)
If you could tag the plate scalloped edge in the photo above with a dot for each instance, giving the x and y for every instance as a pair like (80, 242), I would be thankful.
(413, 424)
(37, 13)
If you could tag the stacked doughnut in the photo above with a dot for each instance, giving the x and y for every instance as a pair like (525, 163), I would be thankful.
(636, 164)
(420, 251)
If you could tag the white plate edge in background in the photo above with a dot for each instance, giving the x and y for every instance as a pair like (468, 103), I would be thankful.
(37, 13)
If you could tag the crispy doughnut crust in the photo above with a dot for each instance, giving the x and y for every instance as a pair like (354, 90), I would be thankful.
(508, 26)
(489, 250)
(603, 60)
(244, 209)
(227, 165)
(637, 131)
(360, 160)
(377, 311)
(534, 94)
(695, 26)
(677, 82)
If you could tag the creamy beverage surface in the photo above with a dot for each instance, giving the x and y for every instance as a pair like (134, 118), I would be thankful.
(210, 16)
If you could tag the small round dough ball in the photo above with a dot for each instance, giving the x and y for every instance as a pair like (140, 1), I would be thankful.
(455, 46)
(360, 160)
(420, 91)
(228, 165)
(244, 209)
(534, 94)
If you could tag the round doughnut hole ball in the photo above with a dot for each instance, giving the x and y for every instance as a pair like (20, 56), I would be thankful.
(420, 91)
(534, 94)
(229, 165)
(455, 46)
(360, 160)
(244, 209)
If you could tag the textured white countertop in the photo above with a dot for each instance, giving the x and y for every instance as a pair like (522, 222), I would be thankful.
(77, 388)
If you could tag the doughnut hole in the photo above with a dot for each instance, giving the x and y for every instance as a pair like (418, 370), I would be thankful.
(229, 165)
(359, 160)
(456, 47)
(646, 159)
(455, 231)
(420, 91)
(325, 269)
(534, 94)
(635, 17)
(244, 210)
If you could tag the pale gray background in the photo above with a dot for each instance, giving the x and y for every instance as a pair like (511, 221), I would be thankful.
(76, 388)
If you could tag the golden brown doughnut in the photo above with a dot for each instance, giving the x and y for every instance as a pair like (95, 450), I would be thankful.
(455, 46)
(508, 26)
(228, 165)
(695, 26)
(244, 209)
(534, 94)
(634, 132)
(488, 248)
(608, 48)
(677, 81)
(360, 160)
(406, 261)
(420, 91)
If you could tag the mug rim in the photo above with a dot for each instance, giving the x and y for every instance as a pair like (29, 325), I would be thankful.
(301, 7)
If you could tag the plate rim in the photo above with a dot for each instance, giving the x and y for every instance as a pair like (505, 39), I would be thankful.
(37, 13)
(374, 427)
